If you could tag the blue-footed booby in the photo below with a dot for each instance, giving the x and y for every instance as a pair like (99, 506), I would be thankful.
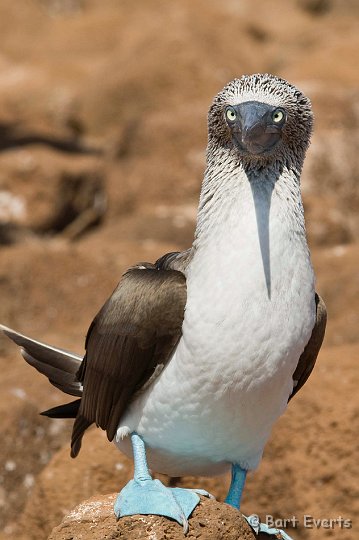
(192, 359)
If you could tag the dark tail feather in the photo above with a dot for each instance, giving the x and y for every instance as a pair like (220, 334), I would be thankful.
(80, 426)
(58, 365)
(68, 410)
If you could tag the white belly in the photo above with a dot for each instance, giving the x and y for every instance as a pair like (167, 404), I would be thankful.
(231, 375)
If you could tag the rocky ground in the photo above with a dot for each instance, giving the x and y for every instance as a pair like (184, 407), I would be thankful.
(102, 136)
(211, 520)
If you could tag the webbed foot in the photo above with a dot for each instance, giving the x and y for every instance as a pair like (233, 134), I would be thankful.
(258, 527)
(147, 496)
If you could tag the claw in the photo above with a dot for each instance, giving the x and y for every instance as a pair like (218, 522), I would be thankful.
(253, 522)
(258, 527)
(204, 493)
(185, 525)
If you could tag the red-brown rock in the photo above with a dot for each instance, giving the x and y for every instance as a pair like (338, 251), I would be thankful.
(94, 519)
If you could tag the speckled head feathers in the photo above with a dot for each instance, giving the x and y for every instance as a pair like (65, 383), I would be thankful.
(271, 90)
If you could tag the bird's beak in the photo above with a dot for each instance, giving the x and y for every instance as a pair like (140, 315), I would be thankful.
(254, 131)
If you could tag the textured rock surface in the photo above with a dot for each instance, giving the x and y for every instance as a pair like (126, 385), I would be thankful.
(65, 191)
(94, 519)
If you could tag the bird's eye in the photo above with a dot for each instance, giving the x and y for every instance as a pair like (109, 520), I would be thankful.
(277, 116)
(231, 114)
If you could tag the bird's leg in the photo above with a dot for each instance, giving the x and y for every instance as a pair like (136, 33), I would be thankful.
(144, 495)
(234, 496)
(141, 472)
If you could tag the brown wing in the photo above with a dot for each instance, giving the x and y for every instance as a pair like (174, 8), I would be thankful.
(136, 330)
(308, 357)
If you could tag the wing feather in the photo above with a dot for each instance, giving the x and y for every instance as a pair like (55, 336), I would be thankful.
(136, 330)
(309, 356)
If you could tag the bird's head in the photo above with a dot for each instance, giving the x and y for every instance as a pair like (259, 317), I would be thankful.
(261, 118)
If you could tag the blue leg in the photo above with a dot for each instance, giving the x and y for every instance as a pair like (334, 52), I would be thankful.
(143, 495)
(236, 488)
(234, 499)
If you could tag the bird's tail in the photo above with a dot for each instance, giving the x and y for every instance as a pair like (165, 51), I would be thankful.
(58, 365)
(68, 410)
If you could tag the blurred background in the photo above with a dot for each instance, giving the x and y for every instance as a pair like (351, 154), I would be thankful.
(102, 139)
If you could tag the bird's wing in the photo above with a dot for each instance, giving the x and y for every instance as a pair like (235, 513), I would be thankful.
(308, 357)
(135, 332)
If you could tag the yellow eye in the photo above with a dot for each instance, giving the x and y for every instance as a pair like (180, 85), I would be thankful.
(231, 114)
(277, 116)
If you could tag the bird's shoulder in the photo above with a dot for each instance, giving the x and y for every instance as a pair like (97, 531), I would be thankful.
(148, 301)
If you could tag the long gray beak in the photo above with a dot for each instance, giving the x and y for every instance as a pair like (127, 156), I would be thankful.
(254, 131)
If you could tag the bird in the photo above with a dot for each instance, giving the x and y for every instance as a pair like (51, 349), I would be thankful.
(193, 358)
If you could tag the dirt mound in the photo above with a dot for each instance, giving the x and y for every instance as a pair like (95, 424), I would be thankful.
(210, 521)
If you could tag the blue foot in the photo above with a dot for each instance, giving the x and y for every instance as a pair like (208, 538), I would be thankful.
(143, 495)
(258, 527)
(152, 497)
